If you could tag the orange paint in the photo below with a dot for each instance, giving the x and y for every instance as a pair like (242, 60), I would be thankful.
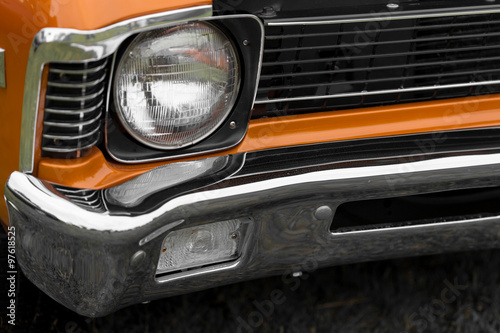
(94, 172)
(90, 169)
(26, 17)
(20, 20)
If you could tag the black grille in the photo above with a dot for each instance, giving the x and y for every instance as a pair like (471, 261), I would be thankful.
(74, 106)
(344, 65)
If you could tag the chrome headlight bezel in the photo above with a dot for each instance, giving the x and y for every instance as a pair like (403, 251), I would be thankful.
(246, 34)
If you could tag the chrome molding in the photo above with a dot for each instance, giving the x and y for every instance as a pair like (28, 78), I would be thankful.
(83, 123)
(87, 199)
(69, 45)
(2, 68)
(61, 209)
(72, 112)
(75, 99)
(377, 92)
(68, 137)
(79, 71)
(69, 95)
(76, 85)
(69, 150)
(387, 16)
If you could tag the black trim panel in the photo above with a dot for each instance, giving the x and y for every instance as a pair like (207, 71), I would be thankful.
(411, 148)
(318, 9)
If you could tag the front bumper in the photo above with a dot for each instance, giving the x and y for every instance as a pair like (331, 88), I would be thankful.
(95, 261)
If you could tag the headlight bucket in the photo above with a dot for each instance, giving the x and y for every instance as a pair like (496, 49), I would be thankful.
(175, 86)
(226, 129)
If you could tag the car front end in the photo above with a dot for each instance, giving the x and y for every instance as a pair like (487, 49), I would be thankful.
(171, 150)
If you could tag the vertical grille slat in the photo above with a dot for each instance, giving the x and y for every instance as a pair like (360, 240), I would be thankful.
(74, 107)
(343, 65)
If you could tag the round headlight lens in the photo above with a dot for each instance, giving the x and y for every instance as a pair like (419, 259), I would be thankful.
(175, 86)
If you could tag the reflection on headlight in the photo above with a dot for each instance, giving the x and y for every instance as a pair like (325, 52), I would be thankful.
(176, 86)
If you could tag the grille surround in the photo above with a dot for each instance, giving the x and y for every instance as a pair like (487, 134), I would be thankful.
(74, 108)
(313, 66)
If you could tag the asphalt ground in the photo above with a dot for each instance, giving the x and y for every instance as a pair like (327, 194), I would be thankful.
(457, 292)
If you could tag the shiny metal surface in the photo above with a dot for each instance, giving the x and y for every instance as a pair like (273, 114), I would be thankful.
(2, 68)
(76, 124)
(63, 45)
(76, 85)
(74, 105)
(79, 71)
(386, 16)
(74, 98)
(88, 199)
(377, 92)
(69, 150)
(67, 137)
(88, 259)
(80, 111)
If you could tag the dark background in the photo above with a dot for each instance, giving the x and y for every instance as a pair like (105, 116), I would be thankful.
(457, 292)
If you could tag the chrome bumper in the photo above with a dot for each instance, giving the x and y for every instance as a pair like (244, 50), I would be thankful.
(97, 261)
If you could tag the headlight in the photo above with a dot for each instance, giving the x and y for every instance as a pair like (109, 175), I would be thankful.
(175, 86)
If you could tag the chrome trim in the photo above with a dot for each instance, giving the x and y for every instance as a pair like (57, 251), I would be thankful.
(109, 95)
(123, 223)
(59, 45)
(87, 198)
(281, 207)
(73, 125)
(76, 111)
(377, 92)
(77, 85)
(80, 197)
(71, 190)
(70, 150)
(84, 201)
(75, 98)
(71, 137)
(389, 16)
(2, 68)
(79, 71)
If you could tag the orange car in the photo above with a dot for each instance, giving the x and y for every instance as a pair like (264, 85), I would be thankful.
(155, 148)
